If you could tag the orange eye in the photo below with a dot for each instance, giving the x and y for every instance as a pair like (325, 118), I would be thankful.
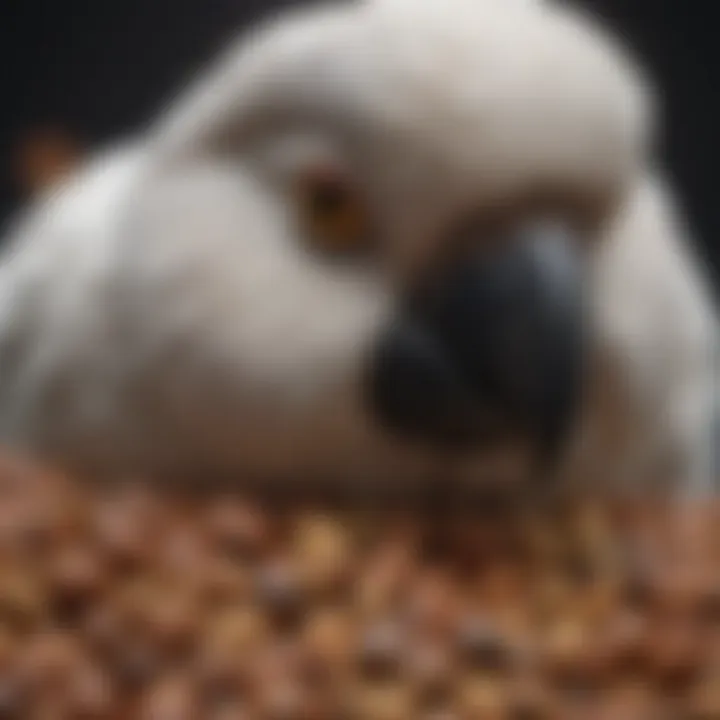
(332, 215)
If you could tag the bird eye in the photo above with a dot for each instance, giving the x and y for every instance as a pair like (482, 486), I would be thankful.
(332, 215)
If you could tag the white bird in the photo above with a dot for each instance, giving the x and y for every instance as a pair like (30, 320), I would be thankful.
(376, 239)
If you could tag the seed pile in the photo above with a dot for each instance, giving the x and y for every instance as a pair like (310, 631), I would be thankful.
(128, 602)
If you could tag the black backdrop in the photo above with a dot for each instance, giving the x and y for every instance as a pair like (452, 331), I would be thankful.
(99, 67)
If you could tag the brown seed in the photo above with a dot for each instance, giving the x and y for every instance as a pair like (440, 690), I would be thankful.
(280, 592)
(675, 657)
(441, 713)
(277, 661)
(482, 699)
(500, 584)
(640, 583)
(173, 625)
(48, 660)
(323, 554)
(330, 706)
(23, 598)
(182, 550)
(281, 686)
(14, 701)
(384, 702)
(54, 672)
(136, 664)
(704, 700)
(103, 627)
(29, 527)
(229, 648)
(166, 613)
(623, 643)
(708, 608)
(172, 698)
(239, 528)
(386, 576)
(482, 647)
(634, 701)
(76, 576)
(329, 639)
(127, 527)
(222, 583)
(431, 672)
(433, 604)
(240, 630)
(121, 641)
(597, 604)
(91, 694)
(12, 691)
(283, 700)
(543, 540)
(681, 591)
(553, 597)
(230, 711)
(591, 529)
(381, 651)
(9, 643)
(569, 658)
(531, 701)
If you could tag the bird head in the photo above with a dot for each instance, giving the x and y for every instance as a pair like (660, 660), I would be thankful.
(391, 210)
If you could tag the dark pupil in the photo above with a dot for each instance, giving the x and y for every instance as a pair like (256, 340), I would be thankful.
(329, 198)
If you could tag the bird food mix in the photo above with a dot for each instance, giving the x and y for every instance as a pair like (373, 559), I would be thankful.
(131, 601)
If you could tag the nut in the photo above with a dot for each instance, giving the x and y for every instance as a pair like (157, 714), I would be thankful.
(323, 554)
(382, 651)
(279, 590)
(239, 528)
(482, 647)
(172, 698)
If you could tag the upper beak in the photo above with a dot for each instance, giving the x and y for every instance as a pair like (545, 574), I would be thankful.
(495, 343)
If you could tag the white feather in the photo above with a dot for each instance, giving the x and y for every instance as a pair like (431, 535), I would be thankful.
(160, 313)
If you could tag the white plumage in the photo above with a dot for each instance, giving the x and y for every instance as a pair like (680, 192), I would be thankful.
(160, 313)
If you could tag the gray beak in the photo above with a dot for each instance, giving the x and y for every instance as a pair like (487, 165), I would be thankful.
(493, 345)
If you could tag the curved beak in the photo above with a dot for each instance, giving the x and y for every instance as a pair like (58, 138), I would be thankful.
(494, 343)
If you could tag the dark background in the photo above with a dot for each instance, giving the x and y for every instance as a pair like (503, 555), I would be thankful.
(98, 68)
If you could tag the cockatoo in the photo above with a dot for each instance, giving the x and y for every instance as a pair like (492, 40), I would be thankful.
(376, 241)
